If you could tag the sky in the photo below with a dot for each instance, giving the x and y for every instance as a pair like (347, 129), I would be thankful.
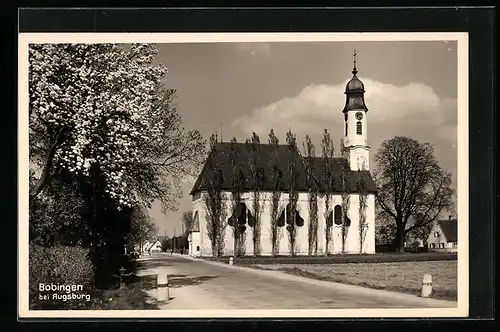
(237, 88)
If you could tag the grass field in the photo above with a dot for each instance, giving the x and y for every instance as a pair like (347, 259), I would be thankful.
(405, 277)
(340, 259)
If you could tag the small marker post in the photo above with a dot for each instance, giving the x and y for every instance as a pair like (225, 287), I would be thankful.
(426, 285)
(231, 260)
(163, 287)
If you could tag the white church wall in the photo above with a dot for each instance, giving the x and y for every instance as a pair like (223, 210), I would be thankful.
(352, 240)
(249, 241)
(228, 240)
(248, 200)
(336, 245)
(359, 158)
(194, 244)
(321, 225)
(352, 237)
(204, 240)
(302, 240)
(369, 244)
(265, 221)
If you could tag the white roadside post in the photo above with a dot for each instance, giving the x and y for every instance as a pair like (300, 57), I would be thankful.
(162, 286)
(231, 260)
(427, 285)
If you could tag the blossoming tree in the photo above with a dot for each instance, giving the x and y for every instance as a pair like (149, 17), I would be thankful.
(105, 108)
(101, 114)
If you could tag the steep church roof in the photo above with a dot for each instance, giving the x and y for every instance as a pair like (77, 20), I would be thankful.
(222, 155)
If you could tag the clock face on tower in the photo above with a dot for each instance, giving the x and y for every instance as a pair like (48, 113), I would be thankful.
(359, 115)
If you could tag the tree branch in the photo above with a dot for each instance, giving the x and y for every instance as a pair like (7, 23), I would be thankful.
(385, 207)
(44, 178)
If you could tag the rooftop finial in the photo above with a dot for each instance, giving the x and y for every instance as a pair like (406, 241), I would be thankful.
(354, 70)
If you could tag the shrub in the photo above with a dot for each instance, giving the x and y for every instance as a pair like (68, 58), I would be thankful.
(60, 265)
(129, 263)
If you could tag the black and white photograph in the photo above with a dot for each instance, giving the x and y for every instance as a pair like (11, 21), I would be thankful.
(243, 175)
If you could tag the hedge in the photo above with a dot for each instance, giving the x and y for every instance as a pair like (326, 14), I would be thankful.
(60, 265)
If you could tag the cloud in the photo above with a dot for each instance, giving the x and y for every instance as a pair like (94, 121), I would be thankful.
(412, 110)
(254, 49)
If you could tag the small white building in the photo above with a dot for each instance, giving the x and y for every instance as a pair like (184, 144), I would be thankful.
(152, 245)
(443, 236)
(354, 166)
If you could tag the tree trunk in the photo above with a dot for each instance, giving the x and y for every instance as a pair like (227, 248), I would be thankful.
(44, 178)
(399, 240)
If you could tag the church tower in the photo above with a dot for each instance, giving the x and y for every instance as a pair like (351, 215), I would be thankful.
(355, 117)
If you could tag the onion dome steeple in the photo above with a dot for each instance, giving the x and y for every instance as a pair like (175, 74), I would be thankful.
(354, 91)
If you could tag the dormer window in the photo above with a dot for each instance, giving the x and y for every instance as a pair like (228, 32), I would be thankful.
(359, 128)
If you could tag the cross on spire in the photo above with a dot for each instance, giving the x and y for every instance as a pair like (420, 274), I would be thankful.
(354, 70)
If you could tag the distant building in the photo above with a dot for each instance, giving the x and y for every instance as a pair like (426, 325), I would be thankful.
(152, 245)
(443, 236)
(163, 239)
(353, 164)
(194, 237)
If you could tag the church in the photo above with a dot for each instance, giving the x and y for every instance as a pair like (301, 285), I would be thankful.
(334, 233)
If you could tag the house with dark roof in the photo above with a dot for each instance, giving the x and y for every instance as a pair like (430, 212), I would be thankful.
(349, 176)
(444, 236)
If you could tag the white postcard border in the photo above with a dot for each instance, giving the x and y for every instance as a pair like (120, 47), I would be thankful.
(462, 171)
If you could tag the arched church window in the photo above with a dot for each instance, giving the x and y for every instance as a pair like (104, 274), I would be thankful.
(359, 128)
(338, 214)
(286, 216)
(239, 216)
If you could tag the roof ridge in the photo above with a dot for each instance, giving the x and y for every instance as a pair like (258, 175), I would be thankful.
(261, 143)
(321, 157)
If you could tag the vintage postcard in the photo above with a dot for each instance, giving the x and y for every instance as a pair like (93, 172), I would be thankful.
(243, 175)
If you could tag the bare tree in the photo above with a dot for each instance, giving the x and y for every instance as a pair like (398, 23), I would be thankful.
(277, 182)
(215, 203)
(328, 153)
(362, 206)
(312, 237)
(421, 233)
(142, 227)
(293, 195)
(239, 211)
(257, 182)
(413, 189)
(385, 232)
(346, 197)
(187, 219)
